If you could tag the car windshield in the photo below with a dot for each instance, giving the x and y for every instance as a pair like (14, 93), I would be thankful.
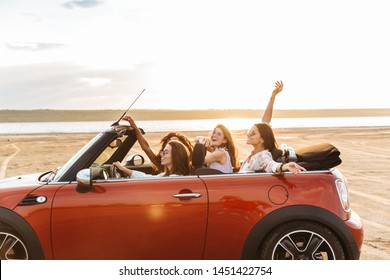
(70, 162)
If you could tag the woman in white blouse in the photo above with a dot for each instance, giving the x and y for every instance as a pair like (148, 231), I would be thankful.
(262, 138)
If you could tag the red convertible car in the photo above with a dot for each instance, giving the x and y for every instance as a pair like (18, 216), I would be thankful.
(87, 210)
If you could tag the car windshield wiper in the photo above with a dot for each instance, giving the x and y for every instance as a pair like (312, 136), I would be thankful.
(49, 176)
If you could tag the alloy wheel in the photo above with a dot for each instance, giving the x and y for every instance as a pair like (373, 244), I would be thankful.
(12, 247)
(303, 245)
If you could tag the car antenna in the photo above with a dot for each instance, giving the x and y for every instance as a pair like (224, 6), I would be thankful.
(117, 122)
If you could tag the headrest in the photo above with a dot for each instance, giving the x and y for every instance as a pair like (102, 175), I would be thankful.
(198, 155)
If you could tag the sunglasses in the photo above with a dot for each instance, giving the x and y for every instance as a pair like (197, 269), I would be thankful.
(164, 153)
(218, 133)
(251, 133)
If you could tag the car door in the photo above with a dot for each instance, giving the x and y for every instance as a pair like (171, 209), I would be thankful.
(149, 218)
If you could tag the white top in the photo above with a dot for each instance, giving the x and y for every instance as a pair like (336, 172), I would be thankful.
(139, 174)
(227, 167)
(260, 161)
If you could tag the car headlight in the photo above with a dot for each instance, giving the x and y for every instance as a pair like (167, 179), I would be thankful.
(342, 191)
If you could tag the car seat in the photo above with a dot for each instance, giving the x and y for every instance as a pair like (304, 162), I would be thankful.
(198, 162)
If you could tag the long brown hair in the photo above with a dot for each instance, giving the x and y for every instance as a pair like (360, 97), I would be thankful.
(268, 136)
(167, 138)
(181, 164)
(229, 145)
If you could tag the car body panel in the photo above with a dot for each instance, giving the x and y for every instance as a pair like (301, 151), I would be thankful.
(130, 219)
(239, 201)
(39, 216)
(13, 189)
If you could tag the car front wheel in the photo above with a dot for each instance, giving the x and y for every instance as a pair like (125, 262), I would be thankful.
(301, 240)
(12, 246)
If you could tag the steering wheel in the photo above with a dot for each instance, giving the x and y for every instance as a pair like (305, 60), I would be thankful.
(114, 173)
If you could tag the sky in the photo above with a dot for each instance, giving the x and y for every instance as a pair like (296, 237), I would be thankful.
(199, 54)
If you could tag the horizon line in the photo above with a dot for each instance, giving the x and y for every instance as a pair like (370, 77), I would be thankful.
(197, 109)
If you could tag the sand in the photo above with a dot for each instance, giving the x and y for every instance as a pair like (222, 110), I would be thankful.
(364, 151)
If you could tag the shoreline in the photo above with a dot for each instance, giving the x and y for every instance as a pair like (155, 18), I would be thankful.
(185, 126)
(48, 115)
(275, 129)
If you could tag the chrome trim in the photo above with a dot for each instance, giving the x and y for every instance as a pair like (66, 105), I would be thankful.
(187, 195)
(253, 173)
(33, 200)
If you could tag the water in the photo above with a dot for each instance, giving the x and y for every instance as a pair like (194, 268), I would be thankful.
(190, 125)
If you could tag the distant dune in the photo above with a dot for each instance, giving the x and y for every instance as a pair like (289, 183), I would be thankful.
(114, 115)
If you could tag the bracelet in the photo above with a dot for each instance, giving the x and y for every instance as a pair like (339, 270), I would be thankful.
(281, 167)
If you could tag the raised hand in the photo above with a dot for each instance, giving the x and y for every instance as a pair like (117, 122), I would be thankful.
(130, 120)
(278, 88)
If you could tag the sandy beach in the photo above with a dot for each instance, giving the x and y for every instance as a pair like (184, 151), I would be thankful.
(364, 151)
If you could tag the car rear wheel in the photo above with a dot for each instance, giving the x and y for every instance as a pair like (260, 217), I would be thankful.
(12, 246)
(301, 240)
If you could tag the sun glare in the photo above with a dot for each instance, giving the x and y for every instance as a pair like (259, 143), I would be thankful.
(96, 82)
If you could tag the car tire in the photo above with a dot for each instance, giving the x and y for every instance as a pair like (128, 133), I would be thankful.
(301, 240)
(12, 247)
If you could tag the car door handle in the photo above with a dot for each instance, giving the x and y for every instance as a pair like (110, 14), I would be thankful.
(187, 195)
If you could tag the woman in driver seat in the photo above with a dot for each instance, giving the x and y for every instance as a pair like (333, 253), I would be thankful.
(175, 158)
(155, 158)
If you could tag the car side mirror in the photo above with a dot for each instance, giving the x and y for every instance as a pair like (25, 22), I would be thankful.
(134, 160)
(84, 182)
(85, 178)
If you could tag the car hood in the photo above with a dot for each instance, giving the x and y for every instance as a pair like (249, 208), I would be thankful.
(20, 181)
(14, 189)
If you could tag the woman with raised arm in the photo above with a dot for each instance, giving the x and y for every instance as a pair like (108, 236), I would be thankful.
(262, 138)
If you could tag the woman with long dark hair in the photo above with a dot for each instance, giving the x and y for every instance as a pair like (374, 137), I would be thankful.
(155, 158)
(175, 159)
(262, 138)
